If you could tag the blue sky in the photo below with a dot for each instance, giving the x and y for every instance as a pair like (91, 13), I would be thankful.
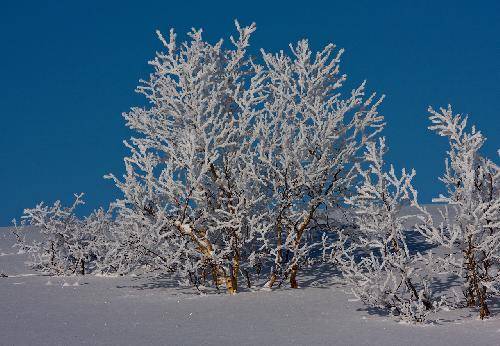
(69, 70)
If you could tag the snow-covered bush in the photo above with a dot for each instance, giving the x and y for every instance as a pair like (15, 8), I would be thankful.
(374, 256)
(233, 161)
(470, 229)
(67, 244)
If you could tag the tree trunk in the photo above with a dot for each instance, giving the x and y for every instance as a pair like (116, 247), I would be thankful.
(234, 274)
(293, 276)
(299, 232)
(247, 277)
(484, 312)
(279, 255)
(221, 278)
(476, 293)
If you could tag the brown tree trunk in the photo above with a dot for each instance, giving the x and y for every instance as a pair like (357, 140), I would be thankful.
(221, 278)
(247, 276)
(476, 293)
(272, 280)
(293, 276)
(300, 231)
(234, 274)
(230, 285)
(484, 312)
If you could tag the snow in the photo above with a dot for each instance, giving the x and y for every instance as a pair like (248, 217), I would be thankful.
(98, 310)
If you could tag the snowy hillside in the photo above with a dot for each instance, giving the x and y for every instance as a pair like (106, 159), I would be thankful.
(42, 310)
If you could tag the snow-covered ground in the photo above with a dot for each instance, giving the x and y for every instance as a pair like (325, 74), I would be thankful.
(42, 310)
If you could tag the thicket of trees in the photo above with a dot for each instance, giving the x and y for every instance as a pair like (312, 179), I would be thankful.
(240, 166)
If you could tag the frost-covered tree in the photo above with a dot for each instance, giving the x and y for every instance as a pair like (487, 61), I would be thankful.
(67, 244)
(191, 192)
(471, 227)
(374, 256)
(233, 161)
(308, 139)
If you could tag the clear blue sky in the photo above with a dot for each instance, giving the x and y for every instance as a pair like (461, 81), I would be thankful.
(69, 68)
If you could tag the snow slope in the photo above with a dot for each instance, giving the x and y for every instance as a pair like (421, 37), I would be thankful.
(42, 310)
